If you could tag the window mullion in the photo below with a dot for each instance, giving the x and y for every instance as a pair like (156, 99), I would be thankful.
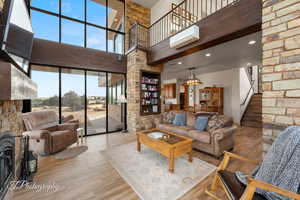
(59, 19)
(85, 26)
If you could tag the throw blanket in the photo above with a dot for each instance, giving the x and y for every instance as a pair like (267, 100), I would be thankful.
(281, 165)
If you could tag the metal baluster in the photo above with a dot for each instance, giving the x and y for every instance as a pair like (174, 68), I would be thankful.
(168, 25)
(210, 11)
(160, 27)
(197, 16)
(184, 12)
(216, 5)
(201, 10)
(205, 8)
(165, 25)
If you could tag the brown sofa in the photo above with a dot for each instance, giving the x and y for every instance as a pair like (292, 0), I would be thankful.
(47, 136)
(217, 137)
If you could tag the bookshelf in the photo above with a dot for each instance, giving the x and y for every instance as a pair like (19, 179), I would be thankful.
(150, 93)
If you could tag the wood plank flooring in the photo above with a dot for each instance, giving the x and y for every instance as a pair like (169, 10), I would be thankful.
(90, 176)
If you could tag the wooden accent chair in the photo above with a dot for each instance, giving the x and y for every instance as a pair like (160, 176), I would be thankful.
(237, 191)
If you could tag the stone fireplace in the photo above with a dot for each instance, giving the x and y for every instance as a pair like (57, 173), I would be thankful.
(7, 164)
(15, 87)
(11, 125)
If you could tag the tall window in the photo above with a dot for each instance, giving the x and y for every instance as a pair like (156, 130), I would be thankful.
(47, 79)
(86, 23)
(92, 98)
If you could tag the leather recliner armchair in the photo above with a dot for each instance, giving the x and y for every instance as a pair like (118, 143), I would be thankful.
(47, 136)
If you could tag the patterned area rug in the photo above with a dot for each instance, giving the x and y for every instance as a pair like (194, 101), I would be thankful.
(71, 152)
(147, 172)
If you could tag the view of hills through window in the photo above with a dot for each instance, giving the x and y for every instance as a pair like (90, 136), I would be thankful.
(87, 96)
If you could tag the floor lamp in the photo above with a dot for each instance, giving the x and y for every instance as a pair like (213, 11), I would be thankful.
(123, 101)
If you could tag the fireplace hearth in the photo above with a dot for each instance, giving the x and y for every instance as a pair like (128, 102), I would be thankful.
(7, 161)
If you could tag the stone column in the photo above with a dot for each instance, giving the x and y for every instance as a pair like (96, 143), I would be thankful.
(137, 61)
(281, 66)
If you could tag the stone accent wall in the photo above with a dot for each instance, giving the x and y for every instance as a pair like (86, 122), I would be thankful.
(135, 13)
(10, 120)
(281, 66)
(137, 61)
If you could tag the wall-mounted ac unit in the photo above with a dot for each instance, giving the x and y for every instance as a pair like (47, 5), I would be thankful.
(185, 37)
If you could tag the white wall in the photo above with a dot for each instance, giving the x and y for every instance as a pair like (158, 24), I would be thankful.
(161, 8)
(229, 80)
(164, 6)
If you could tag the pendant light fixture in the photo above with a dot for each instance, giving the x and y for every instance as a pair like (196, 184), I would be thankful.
(192, 80)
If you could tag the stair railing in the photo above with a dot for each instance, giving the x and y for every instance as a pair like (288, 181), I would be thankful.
(246, 100)
(248, 93)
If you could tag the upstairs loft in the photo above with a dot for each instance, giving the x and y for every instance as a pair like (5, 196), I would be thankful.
(218, 21)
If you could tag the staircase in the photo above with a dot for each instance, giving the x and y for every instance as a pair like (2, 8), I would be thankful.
(253, 114)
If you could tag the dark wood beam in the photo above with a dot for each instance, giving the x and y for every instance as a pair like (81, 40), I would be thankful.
(63, 55)
(238, 20)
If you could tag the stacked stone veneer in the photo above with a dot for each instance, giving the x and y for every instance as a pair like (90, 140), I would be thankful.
(137, 61)
(281, 66)
(10, 120)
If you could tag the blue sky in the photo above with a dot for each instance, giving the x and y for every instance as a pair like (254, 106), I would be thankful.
(47, 27)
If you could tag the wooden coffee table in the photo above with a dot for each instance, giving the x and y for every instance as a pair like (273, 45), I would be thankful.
(171, 145)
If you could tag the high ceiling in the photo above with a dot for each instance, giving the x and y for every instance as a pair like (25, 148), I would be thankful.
(233, 54)
(146, 3)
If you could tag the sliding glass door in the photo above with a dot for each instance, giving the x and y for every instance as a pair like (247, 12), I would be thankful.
(95, 99)
(96, 102)
(73, 95)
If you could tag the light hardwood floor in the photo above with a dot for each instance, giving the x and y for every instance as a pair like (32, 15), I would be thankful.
(90, 177)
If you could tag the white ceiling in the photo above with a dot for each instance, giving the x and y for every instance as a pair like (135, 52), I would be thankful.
(233, 54)
(146, 3)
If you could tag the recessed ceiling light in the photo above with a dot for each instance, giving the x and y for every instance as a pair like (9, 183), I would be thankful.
(249, 64)
(251, 42)
(208, 54)
(179, 63)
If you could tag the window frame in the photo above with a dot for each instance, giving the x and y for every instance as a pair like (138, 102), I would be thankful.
(85, 22)
(107, 97)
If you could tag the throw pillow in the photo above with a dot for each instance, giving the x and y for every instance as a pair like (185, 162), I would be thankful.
(168, 117)
(180, 119)
(218, 121)
(201, 123)
(190, 119)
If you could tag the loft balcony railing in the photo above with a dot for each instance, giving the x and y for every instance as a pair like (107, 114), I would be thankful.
(139, 37)
(180, 17)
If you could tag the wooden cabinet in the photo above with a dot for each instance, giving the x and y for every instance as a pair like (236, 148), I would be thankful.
(211, 99)
(170, 91)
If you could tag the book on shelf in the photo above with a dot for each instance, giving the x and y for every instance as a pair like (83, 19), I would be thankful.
(155, 108)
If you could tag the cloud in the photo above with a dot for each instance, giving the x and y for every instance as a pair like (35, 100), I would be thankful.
(66, 7)
(95, 41)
